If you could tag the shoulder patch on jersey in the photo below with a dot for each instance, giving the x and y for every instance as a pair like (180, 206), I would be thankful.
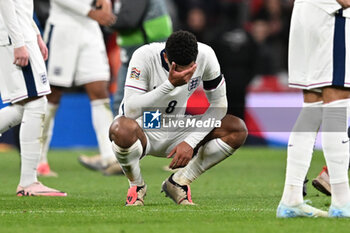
(135, 73)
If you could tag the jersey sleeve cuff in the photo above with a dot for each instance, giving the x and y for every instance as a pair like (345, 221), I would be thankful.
(168, 86)
(191, 142)
(135, 87)
(18, 44)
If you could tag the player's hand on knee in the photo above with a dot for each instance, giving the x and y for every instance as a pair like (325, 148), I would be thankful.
(344, 3)
(183, 154)
(21, 56)
(179, 78)
(43, 49)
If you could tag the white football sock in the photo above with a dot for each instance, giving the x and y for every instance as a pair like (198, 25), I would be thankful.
(102, 118)
(129, 160)
(300, 148)
(10, 116)
(335, 143)
(208, 156)
(342, 195)
(31, 139)
(48, 130)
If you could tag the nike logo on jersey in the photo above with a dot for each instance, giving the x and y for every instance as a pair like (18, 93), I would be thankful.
(345, 141)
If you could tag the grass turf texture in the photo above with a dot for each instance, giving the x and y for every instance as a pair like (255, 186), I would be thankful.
(239, 195)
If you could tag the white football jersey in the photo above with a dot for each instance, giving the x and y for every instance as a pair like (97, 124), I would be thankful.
(4, 36)
(71, 12)
(330, 6)
(148, 70)
(24, 21)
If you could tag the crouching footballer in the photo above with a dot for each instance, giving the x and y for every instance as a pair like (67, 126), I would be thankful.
(163, 76)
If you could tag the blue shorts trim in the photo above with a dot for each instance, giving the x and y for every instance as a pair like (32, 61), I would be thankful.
(29, 79)
(339, 50)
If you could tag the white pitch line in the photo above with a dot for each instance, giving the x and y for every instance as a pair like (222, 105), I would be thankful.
(208, 210)
(89, 212)
(44, 211)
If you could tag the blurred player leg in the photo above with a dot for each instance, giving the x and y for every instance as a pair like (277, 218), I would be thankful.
(101, 119)
(52, 106)
(48, 129)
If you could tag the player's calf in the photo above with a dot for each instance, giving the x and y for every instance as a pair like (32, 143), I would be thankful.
(235, 130)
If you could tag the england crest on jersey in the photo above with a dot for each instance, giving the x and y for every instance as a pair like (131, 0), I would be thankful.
(194, 83)
(43, 78)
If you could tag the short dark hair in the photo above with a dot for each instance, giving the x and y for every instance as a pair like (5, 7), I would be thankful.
(181, 48)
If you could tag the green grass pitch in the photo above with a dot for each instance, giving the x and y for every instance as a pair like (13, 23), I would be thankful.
(239, 195)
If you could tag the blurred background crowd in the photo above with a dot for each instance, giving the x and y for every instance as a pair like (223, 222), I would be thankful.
(250, 38)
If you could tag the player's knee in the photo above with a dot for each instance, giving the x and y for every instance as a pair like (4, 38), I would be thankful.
(97, 90)
(123, 132)
(237, 131)
(55, 96)
(103, 94)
